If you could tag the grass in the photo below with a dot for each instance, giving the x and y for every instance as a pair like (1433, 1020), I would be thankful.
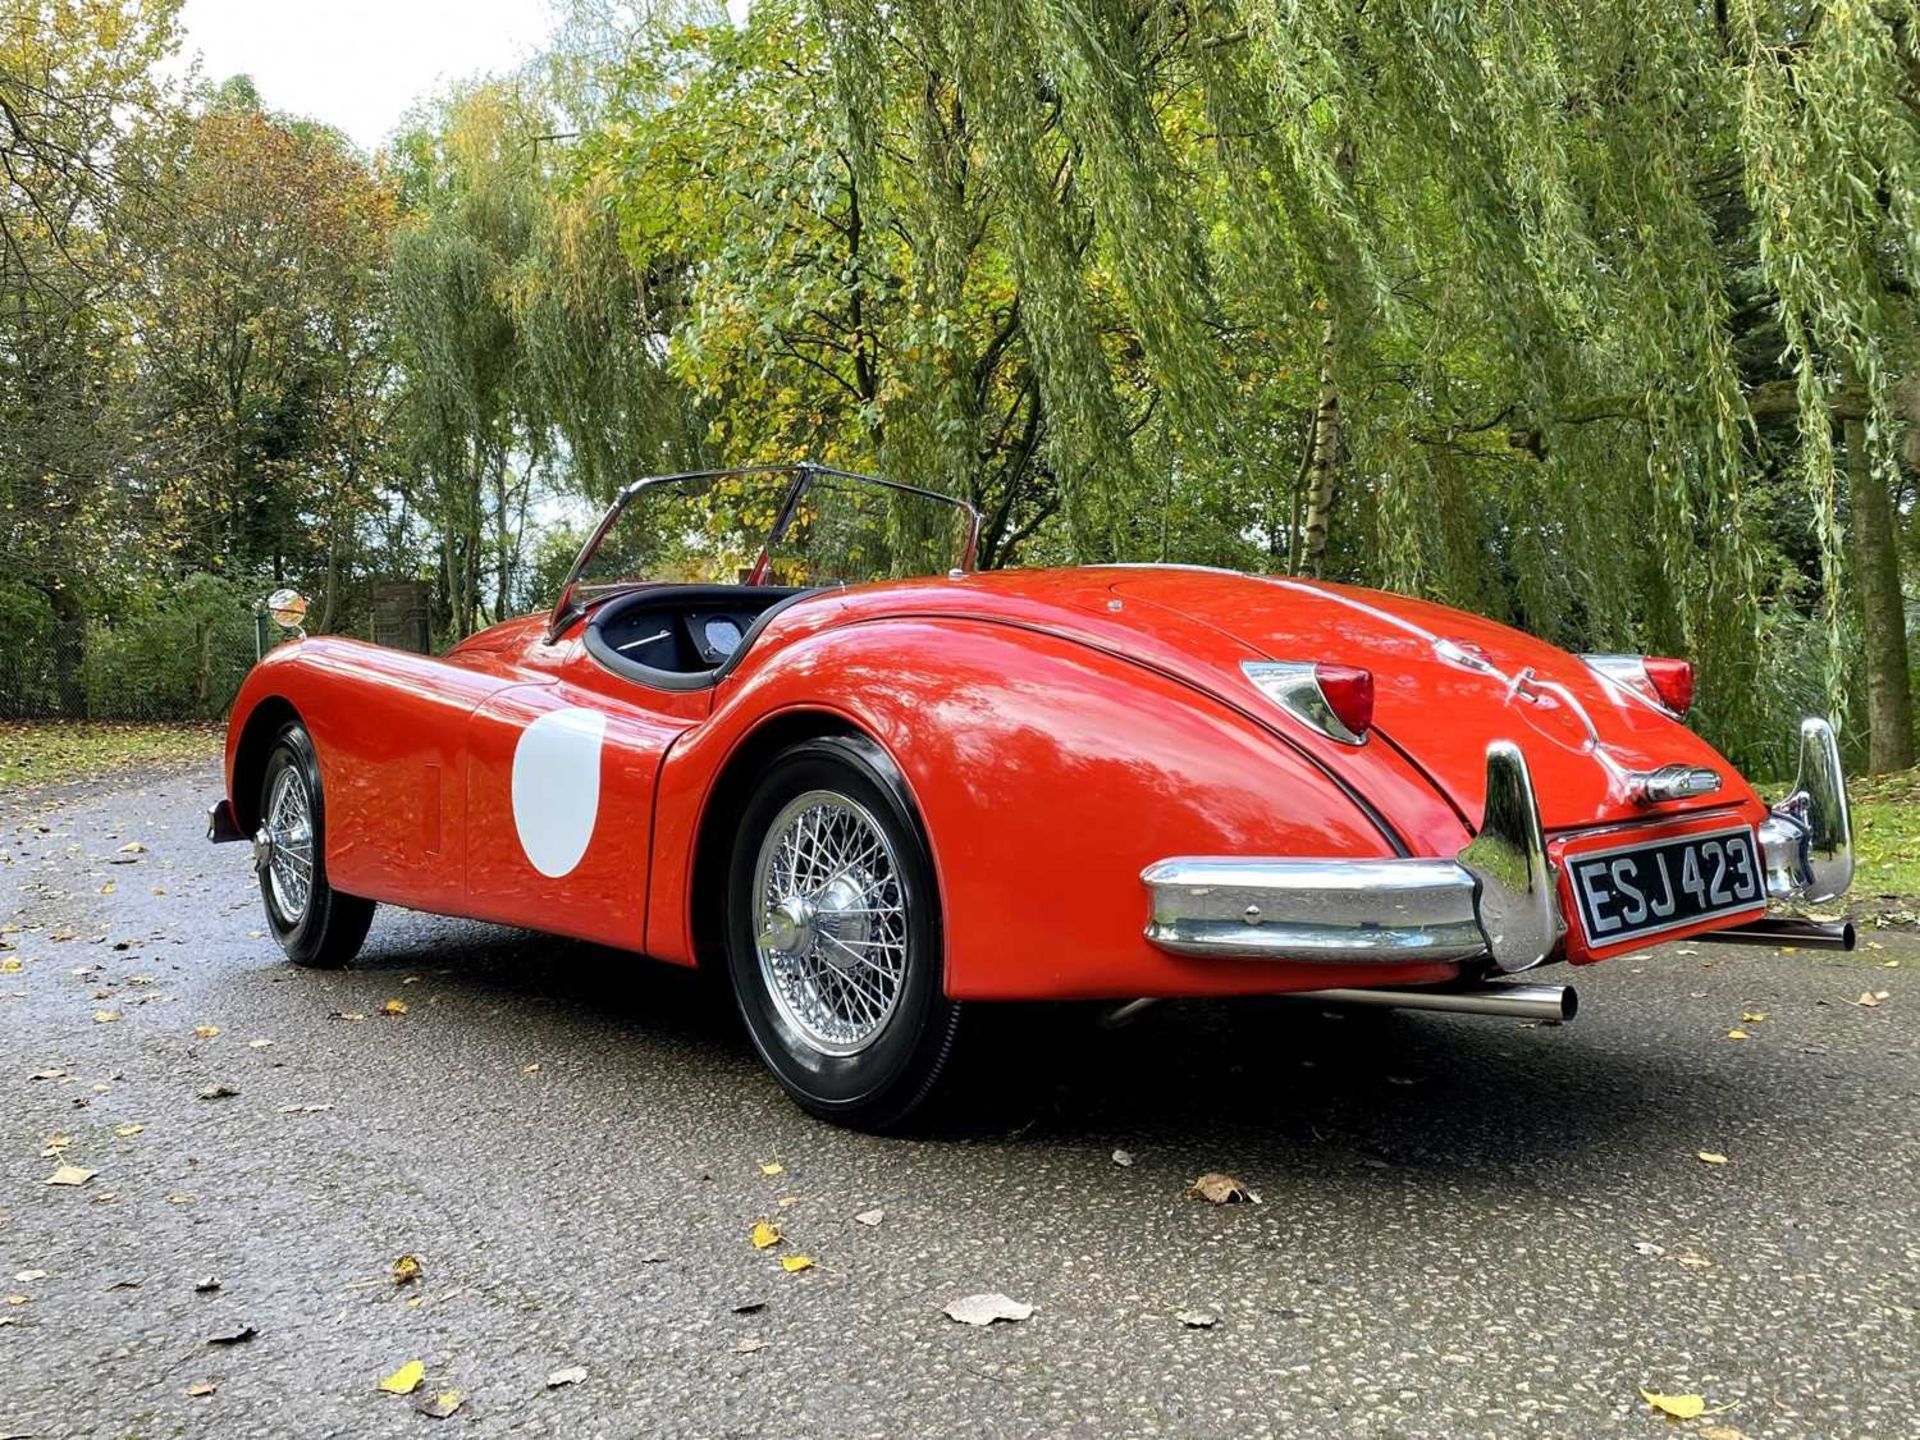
(1886, 834)
(48, 752)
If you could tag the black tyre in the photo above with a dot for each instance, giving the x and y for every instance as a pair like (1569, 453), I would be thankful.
(314, 923)
(833, 935)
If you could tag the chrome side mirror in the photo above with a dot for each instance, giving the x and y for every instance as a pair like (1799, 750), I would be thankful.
(288, 609)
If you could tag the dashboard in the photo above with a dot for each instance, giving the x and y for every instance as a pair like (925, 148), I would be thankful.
(684, 633)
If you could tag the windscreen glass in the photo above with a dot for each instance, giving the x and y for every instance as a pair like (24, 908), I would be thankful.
(710, 530)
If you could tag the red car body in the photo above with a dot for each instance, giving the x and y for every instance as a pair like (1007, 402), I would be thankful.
(1061, 733)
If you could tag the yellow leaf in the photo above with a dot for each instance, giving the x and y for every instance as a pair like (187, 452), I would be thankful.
(773, 1168)
(127, 1132)
(105, 1017)
(406, 1269)
(1753, 1017)
(1713, 1159)
(1681, 1407)
(1738, 1035)
(9, 966)
(793, 1263)
(785, 1200)
(70, 1175)
(406, 1379)
(443, 1404)
(107, 889)
(394, 1007)
(764, 1235)
(205, 1032)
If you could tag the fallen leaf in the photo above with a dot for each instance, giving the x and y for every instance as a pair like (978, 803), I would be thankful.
(107, 1017)
(177, 1198)
(987, 1308)
(206, 1286)
(347, 1015)
(1123, 1158)
(10, 966)
(205, 1032)
(871, 1217)
(407, 1269)
(127, 1132)
(70, 1175)
(572, 1375)
(108, 888)
(1694, 1262)
(764, 1235)
(1868, 999)
(1196, 1319)
(394, 1007)
(258, 1044)
(406, 1379)
(1753, 1017)
(1712, 1158)
(1738, 1035)
(747, 1346)
(237, 1335)
(1647, 1247)
(48, 1075)
(202, 1387)
(785, 1201)
(794, 1263)
(773, 1167)
(533, 1069)
(28, 1277)
(133, 847)
(311, 1107)
(218, 1092)
(1222, 1190)
(441, 1405)
(749, 1307)
(1680, 1407)
(18, 1299)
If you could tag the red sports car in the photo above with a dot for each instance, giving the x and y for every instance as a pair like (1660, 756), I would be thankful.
(877, 805)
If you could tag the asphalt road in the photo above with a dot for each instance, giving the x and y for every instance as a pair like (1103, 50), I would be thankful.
(1469, 1227)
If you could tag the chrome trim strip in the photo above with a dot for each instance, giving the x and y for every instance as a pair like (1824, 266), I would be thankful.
(1806, 843)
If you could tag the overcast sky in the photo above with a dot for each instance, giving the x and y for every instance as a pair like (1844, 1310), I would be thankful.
(358, 64)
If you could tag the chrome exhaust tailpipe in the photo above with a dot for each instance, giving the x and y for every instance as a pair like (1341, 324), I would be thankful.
(1783, 930)
(1556, 1004)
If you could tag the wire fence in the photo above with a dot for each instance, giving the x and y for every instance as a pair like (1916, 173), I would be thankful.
(153, 667)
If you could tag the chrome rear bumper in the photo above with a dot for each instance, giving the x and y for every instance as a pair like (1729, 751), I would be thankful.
(1806, 843)
(1497, 899)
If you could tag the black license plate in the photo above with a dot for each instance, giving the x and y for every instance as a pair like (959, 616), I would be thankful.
(1638, 890)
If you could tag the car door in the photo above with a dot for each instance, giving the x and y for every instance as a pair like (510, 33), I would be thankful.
(560, 788)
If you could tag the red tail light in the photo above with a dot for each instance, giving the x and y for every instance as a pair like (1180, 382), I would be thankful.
(1349, 693)
(1668, 683)
(1672, 681)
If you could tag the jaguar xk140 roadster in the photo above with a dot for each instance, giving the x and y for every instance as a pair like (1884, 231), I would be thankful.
(876, 805)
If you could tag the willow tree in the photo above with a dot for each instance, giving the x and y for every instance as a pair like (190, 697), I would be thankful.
(1500, 261)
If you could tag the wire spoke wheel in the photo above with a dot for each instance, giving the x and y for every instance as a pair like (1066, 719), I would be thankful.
(830, 920)
(287, 845)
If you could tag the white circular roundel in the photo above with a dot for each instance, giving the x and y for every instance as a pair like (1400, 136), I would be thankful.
(556, 787)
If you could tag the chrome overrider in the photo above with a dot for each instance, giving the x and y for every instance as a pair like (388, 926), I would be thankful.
(1497, 899)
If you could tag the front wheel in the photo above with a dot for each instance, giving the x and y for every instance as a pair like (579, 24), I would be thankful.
(833, 935)
(315, 924)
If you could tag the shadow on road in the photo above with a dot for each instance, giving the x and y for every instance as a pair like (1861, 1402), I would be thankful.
(1280, 1085)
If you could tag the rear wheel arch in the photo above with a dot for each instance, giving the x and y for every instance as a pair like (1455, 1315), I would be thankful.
(727, 801)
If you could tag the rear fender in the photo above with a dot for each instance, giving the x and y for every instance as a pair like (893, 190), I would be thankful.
(1048, 775)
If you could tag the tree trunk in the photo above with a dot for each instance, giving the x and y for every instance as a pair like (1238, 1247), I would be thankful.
(69, 648)
(1324, 464)
(1876, 568)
